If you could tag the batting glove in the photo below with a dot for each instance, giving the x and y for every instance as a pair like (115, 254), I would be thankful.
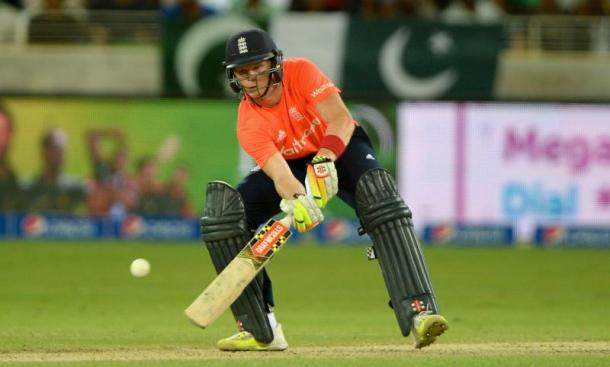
(321, 182)
(305, 213)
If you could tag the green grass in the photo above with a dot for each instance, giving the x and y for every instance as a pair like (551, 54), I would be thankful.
(494, 361)
(80, 297)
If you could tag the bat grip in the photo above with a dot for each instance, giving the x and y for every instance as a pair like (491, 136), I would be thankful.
(287, 220)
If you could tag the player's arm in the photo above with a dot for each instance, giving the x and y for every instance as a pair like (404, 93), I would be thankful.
(286, 185)
(94, 141)
(94, 145)
(302, 207)
(322, 180)
(339, 119)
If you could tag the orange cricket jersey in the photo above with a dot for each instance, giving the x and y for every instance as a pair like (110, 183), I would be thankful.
(293, 126)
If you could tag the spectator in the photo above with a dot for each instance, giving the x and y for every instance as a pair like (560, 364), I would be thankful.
(16, 4)
(547, 7)
(458, 11)
(185, 10)
(594, 8)
(10, 192)
(56, 23)
(52, 190)
(523, 6)
(393, 8)
(122, 23)
(318, 5)
(9, 11)
(149, 191)
(306, 5)
(123, 4)
(258, 10)
(473, 11)
(111, 190)
(490, 11)
(570, 6)
(177, 202)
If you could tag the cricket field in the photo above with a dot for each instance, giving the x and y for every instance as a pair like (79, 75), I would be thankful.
(76, 304)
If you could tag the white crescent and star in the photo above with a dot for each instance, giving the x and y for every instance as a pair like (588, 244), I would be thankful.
(197, 42)
(400, 82)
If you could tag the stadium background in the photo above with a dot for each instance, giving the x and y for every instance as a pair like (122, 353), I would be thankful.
(494, 116)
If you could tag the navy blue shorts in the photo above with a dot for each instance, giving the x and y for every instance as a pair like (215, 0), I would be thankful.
(263, 202)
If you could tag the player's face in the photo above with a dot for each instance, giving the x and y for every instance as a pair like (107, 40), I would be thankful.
(254, 78)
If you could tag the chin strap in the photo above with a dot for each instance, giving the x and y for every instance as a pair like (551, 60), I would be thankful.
(269, 85)
(266, 89)
(264, 93)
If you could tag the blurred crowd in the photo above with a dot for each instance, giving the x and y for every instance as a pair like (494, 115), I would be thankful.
(83, 20)
(262, 8)
(452, 8)
(364, 7)
(111, 190)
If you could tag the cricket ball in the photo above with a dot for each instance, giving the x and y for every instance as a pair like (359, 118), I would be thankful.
(139, 268)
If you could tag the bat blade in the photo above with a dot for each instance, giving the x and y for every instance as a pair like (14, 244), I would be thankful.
(221, 293)
(236, 276)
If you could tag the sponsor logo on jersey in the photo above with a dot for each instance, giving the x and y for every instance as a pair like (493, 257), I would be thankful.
(281, 136)
(301, 142)
(295, 114)
(316, 92)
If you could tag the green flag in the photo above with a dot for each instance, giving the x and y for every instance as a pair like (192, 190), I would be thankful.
(420, 60)
(193, 55)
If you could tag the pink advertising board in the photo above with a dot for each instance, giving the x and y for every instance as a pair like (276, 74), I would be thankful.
(519, 164)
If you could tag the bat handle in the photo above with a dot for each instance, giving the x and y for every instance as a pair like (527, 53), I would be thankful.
(287, 220)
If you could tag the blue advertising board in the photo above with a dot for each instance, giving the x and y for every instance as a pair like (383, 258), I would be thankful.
(572, 236)
(331, 231)
(65, 227)
(137, 227)
(57, 227)
(2, 226)
(469, 234)
(340, 231)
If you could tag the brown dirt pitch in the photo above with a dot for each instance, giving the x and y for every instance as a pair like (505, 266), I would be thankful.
(311, 352)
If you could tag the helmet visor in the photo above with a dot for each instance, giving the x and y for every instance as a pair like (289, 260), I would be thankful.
(259, 89)
(231, 64)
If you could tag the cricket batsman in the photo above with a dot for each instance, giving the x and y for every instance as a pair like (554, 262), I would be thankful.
(308, 149)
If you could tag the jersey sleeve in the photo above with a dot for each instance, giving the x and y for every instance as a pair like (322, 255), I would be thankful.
(256, 142)
(313, 84)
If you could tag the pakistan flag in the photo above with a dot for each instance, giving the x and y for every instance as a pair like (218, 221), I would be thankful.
(193, 52)
(420, 60)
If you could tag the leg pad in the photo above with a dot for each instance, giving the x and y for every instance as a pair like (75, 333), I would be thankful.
(224, 230)
(387, 220)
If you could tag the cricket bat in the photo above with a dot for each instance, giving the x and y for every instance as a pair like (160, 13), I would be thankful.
(234, 278)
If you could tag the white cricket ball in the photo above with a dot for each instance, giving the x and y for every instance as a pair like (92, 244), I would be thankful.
(139, 268)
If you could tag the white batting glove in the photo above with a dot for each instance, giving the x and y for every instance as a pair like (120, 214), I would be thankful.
(321, 182)
(305, 213)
